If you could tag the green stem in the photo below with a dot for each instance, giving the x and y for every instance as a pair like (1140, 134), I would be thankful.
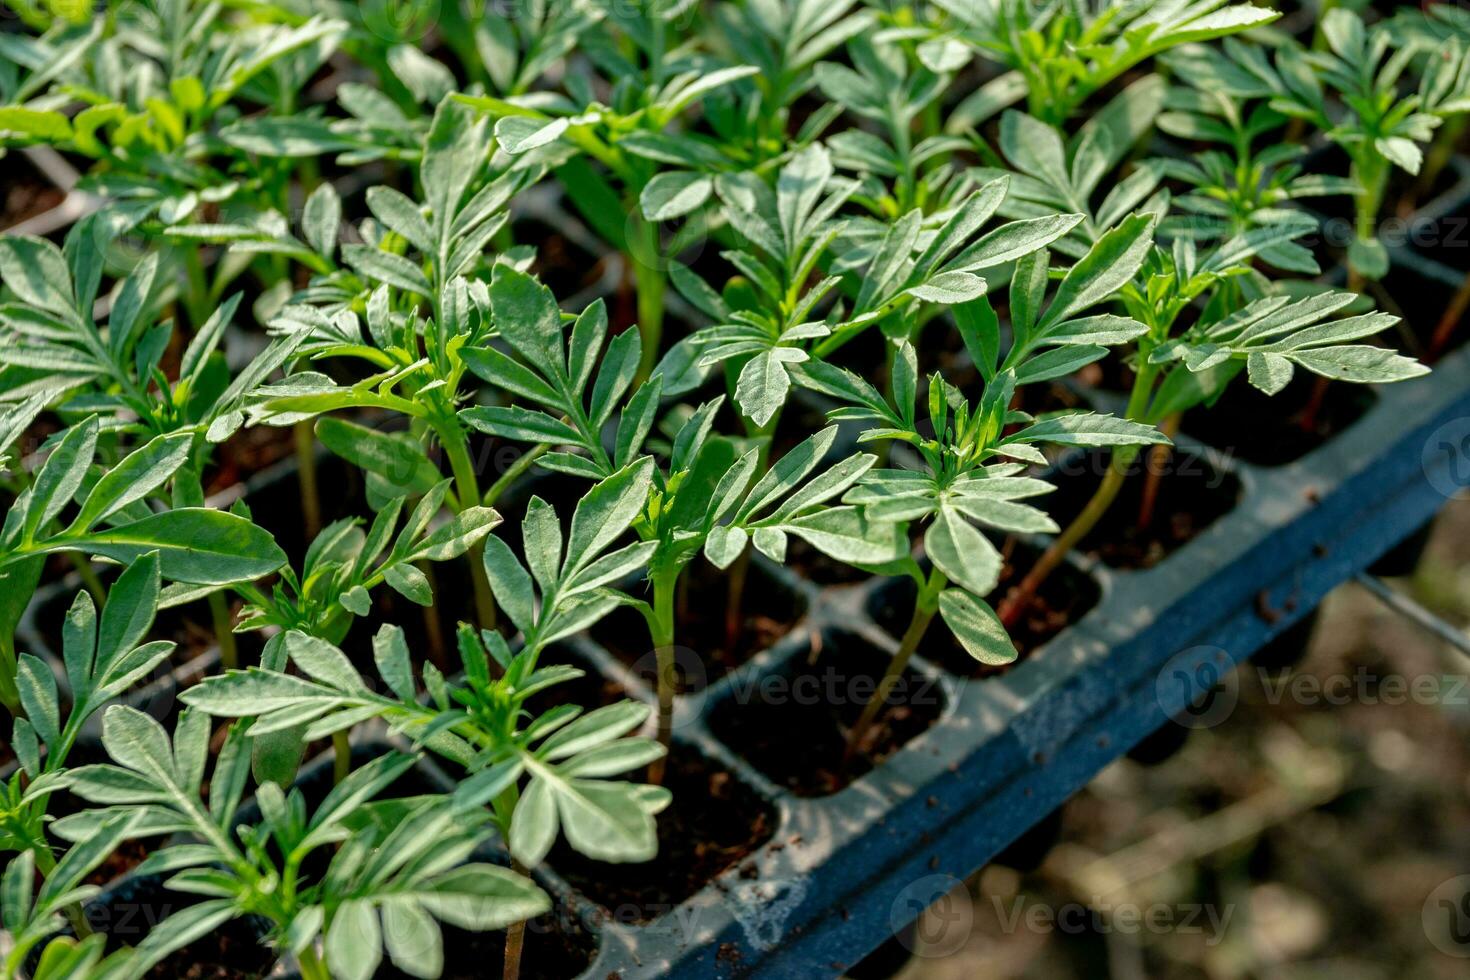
(467, 488)
(311, 505)
(665, 586)
(515, 936)
(46, 863)
(926, 604)
(224, 633)
(312, 968)
(196, 296)
(514, 472)
(648, 280)
(1371, 175)
(1102, 499)
(9, 693)
(739, 571)
(341, 757)
(89, 576)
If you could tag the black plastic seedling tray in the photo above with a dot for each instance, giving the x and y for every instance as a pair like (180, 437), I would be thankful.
(985, 758)
(842, 872)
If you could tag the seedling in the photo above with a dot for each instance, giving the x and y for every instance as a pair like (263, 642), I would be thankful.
(416, 363)
(398, 869)
(707, 496)
(828, 171)
(1065, 52)
(150, 111)
(961, 477)
(102, 660)
(1383, 129)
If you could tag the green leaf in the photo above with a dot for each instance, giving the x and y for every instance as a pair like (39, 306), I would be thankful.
(354, 945)
(1269, 372)
(398, 213)
(607, 511)
(410, 583)
(1088, 429)
(528, 318)
(457, 144)
(35, 269)
(195, 545)
(764, 383)
(321, 219)
(977, 627)
(395, 456)
(674, 194)
(962, 553)
(60, 477)
(390, 653)
(139, 474)
(1360, 363)
(1105, 269)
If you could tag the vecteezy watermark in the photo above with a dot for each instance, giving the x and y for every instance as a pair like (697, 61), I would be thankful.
(1365, 687)
(940, 911)
(1446, 457)
(1198, 687)
(1446, 917)
(1126, 918)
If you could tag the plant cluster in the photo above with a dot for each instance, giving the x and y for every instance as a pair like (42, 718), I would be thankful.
(315, 226)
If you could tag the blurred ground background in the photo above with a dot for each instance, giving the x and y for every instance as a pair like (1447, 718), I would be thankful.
(1296, 839)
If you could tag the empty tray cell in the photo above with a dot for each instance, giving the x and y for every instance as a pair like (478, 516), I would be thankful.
(1191, 495)
(1270, 430)
(768, 609)
(714, 822)
(791, 721)
(1064, 598)
(1445, 237)
(1423, 293)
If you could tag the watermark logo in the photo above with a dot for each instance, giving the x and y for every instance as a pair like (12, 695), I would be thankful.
(399, 20)
(762, 908)
(940, 911)
(1198, 687)
(1446, 917)
(1446, 457)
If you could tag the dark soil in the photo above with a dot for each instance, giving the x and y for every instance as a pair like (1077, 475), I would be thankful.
(231, 952)
(1192, 495)
(1271, 430)
(128, 855)
(792, 722)
(560, 263)
(555, 948)
(190, 627)
(807, 562)
(248, 452)
(27, 193)
(713, 823)
(1449, 239)
(590, 691)
(1063, 599)
(768, 612)
(1420, 297)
